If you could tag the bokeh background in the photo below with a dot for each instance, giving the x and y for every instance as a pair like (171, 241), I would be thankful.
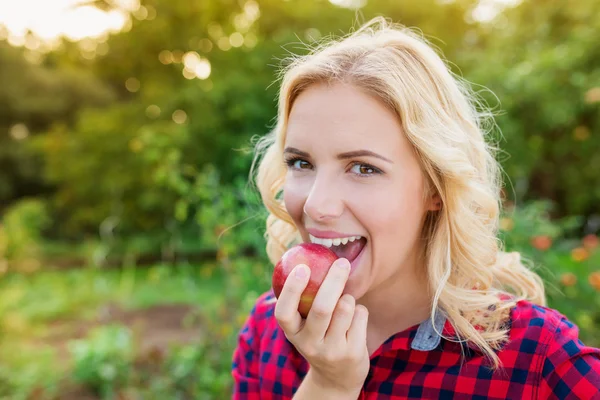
(131, 245)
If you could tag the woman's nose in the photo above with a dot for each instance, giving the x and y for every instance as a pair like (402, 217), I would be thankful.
(324, 201)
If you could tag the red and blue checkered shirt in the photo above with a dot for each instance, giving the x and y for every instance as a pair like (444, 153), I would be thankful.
(543, 359)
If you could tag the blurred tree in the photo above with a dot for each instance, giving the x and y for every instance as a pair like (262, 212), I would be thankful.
(186, 85)
(33, 97)
(205, 70)
(541, 59)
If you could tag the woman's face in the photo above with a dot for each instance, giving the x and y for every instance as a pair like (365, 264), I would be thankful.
(352, 173)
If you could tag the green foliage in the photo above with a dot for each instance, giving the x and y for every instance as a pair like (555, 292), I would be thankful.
(227, 292)
(28, 302)
(569, 267)
(228, 217)
(203, 369)
(103, 361)
(116, 182)
(127, 152)
(33, 374)
(549, 95)
(521, 224)
(193, 371)
(21, 230)
(123, 149)
(105, 161)
(35, 96)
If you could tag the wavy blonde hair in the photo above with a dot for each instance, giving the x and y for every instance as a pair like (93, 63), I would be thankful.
(443, 119)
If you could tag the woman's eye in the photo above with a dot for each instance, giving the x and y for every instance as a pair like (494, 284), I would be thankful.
(300, 164)
(359, 169)
(363, 169)
(297, 164)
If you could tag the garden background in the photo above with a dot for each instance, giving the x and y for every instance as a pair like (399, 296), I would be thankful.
(131, 245)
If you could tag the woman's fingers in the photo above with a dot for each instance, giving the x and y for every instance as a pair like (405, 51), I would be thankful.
(341, 319)
(333, 338)
(286, 308)
(327, 297)
(357, 334)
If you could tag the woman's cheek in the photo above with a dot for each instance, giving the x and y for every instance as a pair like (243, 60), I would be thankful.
(294, 198)
(383, 210)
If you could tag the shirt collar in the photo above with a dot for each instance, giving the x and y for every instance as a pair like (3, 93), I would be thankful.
(428, 336)
(422, 337)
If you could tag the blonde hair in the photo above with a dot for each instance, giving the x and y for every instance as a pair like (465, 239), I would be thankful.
(446, 124)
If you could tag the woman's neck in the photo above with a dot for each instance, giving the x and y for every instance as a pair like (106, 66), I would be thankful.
(397, 304)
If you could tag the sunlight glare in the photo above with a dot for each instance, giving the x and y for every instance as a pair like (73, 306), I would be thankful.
(50, 20)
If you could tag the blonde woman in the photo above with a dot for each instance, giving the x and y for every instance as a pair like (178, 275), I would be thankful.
(380, 146)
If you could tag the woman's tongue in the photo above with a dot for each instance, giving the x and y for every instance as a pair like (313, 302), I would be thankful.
(349, 250)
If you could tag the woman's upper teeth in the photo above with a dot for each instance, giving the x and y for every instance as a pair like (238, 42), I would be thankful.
(333, 242)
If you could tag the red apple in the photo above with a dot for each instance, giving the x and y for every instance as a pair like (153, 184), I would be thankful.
(317, 257)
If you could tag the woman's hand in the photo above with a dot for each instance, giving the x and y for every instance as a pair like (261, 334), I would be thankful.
(333, 338)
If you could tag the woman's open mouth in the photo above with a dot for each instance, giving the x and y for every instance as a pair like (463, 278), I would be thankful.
(349, 247)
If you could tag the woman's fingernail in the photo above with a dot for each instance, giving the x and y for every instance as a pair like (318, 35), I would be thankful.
(301, 271)
(343, 263)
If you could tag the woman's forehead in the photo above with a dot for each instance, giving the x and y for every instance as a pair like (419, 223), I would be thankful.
(344, 118)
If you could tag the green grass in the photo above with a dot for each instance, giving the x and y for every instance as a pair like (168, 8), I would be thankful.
(30, 303)
(53, 302)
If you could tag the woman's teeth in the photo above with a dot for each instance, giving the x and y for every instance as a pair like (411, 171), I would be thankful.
(333, 242)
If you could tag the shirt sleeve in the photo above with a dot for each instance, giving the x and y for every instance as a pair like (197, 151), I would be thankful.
(245, 366)
(571, 369)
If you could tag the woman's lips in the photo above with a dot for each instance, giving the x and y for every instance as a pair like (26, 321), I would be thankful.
(329, 234)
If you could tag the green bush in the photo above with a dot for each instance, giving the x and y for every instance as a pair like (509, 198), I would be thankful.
(569, 267)
(225, 217)
(30, 375)
(195, 371)
(102, 362)
(520, 225)
(547, 99)
(21, 230)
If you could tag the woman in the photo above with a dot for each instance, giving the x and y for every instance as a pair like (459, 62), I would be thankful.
(380, 153)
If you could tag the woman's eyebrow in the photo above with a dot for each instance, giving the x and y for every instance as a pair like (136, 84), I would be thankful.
(341, 156)
(294, 150)
(362, 153)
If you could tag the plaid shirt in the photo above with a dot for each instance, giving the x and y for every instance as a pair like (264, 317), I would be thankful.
(544, 359)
